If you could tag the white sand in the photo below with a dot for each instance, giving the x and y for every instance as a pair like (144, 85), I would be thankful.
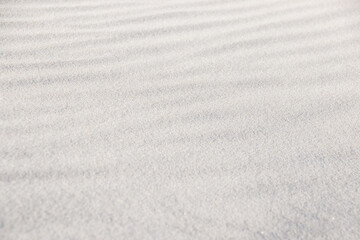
(183, 119)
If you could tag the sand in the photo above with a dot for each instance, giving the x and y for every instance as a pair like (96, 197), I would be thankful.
(183, 119)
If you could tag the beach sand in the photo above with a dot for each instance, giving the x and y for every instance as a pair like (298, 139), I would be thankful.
(160, 119)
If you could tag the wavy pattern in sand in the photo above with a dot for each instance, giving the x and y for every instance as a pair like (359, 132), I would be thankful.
(201, 119)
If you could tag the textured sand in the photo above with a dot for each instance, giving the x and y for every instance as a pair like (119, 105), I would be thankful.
(183, 119)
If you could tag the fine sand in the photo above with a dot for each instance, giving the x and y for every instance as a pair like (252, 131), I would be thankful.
(179, 119)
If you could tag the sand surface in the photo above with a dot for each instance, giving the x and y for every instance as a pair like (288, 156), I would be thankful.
(179, 119)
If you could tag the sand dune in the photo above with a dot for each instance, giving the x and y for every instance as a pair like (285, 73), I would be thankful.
(192, 119)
